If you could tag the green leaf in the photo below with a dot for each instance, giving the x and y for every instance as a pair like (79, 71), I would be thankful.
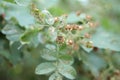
(1, 0)
(55, 76)
(23, 2)
(94, 63)
(45, 4)
(5, 53)
(106, 40)
(15, 53)
(73, 18)
(49, 55)
(48, 17)
(57, 11)
(30, 37)
(45, 68)
(12, 32)
(66, 59)
(67, 71)
(116, 60)
(20, 13)
(11, 1)
(1, 10)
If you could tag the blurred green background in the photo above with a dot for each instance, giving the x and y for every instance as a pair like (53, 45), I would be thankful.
(19, 65)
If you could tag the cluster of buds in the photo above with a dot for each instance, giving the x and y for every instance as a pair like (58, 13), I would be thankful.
(36, 12)
(45, 17)
(73, 27)
(61, 39)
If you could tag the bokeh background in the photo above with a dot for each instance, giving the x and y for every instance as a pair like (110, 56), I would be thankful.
(16, 65)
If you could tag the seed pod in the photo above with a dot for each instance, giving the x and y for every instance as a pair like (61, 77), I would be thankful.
(60, 39)
(89, 44)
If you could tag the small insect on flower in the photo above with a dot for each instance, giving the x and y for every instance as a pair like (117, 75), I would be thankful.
(60, 39)
(89, 44)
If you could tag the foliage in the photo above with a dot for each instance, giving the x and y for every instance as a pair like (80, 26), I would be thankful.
(55, 43)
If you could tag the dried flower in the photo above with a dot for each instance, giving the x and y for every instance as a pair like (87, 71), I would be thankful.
(60, 39)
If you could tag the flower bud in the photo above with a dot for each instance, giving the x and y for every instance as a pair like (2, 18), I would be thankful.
(88, 17)
(69, 42)
(80, 28)
(87, 35)
(56, 19)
